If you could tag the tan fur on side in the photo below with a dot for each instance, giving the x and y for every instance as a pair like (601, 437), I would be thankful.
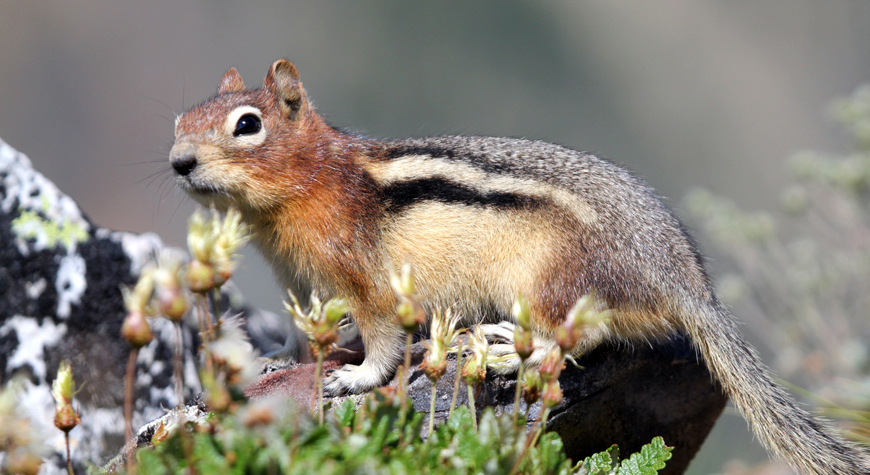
(481, 219)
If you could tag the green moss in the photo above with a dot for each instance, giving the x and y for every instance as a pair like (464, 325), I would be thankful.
(31, 225)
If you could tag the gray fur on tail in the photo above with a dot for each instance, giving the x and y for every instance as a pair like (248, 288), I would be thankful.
(786, 430)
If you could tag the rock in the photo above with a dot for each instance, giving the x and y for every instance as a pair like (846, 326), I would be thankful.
(623, 396)
(60, 278)
(60, 298)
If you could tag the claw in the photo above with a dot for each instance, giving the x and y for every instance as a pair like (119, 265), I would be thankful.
(350, 379)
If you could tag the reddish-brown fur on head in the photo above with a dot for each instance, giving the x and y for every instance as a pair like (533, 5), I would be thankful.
(296, 182)
(254, 175)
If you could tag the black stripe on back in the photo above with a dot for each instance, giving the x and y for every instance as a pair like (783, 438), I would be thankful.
(435, 151)
(401, 195)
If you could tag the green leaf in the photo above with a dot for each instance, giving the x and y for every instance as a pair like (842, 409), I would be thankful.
(648, 461)
(344, 414)
(602, 463)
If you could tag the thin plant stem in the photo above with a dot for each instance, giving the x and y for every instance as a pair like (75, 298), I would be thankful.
(471, 405)
(128, 407)
(432, 408)
(205, 331)
(456, 382)
(534, 440)
(541, 424)
(404, 375)
(68, 459)
(409, 340)
(318, 383)
(518, 391)
(178, 365)
(217, 301)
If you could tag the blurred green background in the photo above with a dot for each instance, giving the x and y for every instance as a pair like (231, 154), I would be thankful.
(714, 94)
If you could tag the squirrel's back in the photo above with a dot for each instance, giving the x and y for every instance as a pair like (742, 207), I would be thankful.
(616, 237)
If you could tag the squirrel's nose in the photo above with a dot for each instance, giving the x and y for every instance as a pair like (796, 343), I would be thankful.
(183, 159)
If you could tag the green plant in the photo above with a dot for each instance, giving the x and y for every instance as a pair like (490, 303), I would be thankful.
(268, 437)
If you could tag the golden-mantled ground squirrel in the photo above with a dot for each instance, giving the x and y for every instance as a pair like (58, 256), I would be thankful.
(481, 220)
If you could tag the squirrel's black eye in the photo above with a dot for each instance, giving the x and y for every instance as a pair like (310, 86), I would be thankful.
(248, 124)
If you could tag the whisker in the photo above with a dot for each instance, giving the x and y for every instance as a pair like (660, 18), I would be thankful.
(144, 162)
(161, 103)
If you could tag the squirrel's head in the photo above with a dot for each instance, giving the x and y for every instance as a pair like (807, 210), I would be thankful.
(248, 148)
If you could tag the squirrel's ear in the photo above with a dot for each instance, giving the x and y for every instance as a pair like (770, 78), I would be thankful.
(283, 81)
(231, 82)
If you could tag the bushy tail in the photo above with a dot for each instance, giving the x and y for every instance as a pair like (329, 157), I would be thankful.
(786, 430)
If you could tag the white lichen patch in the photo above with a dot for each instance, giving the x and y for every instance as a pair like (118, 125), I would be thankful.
(139, 248)
(32, 340)
(70, 284)
(35, 289)
(47, 215)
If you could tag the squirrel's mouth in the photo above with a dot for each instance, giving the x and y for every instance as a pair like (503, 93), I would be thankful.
(194, 187)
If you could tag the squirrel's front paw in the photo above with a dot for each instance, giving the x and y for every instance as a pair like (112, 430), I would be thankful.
(351, 379)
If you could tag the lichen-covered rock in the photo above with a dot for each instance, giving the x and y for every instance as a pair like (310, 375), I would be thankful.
(60, 299)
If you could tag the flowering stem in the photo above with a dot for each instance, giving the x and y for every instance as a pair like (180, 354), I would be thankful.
(318, 383)
(518, 392)
(456, 382)
(217, 301)
(128, 406)
(178, 365)
(541, 424)
(68, 459)
(533, 441)
(409, 340)
(403, 377)
(432, 408)
(205, 331)
(471, 405)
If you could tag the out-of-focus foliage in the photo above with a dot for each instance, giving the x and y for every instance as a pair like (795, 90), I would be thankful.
(270, 437)
(801, 275)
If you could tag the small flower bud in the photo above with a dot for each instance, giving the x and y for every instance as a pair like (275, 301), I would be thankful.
(136, 330)
(410, 315)
(230, 235)
(66, 418)
(403, 284)
(434, 365)
(521, 313)
(172, 303)
(200, 276)
(334, 310)
(523, 343)
(324, 335)
(474, 368)
(200, 237)
(552, 365)
(532, 386)
(566, 338)
(63, 388)
(166, 274)
(552, 395)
